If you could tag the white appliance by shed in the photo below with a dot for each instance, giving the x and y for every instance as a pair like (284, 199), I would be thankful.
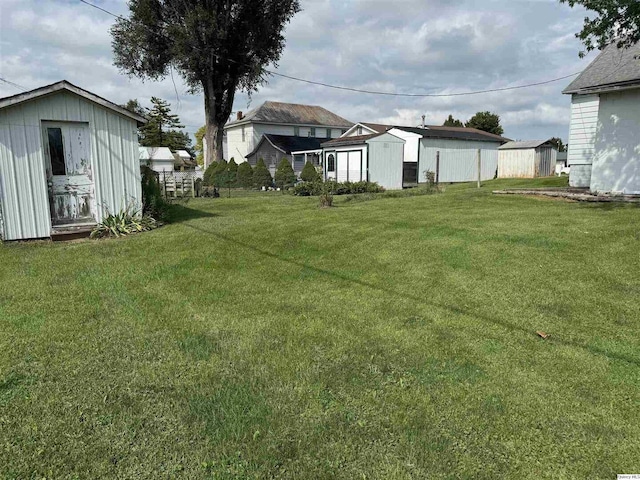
(67, 158)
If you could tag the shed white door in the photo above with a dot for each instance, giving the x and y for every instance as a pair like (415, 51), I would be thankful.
(349, 166)
(69, 176)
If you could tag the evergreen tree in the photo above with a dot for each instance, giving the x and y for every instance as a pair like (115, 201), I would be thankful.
(285, 176)
(163, 128)
(207, 178)
(219, 174)
(261, 175)
(452, 122)
(557, 141)
(309, 173)
(134, 106)
(244, 177)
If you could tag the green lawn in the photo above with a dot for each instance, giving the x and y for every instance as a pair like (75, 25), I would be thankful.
(262, 337)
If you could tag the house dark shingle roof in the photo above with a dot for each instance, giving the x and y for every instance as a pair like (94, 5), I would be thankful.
(292, 114)
(455, 133)
(288, 144)
(614, 67)
(355, 140)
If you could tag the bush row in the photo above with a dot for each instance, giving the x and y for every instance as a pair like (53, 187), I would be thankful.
(306, 189)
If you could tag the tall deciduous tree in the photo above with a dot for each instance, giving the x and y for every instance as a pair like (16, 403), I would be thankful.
(486, 121)
(217, 46)
(452, 122)
(615, 20)
(199, 148)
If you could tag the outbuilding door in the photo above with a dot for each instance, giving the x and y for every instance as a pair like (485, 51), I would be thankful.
(69, 176)
(349, 166)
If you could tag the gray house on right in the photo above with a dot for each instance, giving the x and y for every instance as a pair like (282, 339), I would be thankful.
(604, 135)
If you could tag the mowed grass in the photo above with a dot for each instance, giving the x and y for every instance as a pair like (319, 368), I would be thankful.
(263, 337)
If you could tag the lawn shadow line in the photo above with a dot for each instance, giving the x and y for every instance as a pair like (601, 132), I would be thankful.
(452, 309)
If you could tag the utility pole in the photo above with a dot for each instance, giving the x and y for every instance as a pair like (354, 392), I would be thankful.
(479, 167)
(437, 167)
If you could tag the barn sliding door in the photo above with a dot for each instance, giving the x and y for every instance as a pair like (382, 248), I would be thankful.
(69, 175)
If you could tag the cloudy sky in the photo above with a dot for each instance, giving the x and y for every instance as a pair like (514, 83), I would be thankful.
(403, 46)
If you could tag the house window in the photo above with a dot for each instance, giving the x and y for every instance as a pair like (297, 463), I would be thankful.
(312, 132)
(331, 163)
(296, 131)
(56, 151)
(243, 135)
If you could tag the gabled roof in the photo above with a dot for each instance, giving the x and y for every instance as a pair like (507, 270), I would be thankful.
(64, 85)
(524, 145)
(378, 127)
(354, 140)
(455, 133)
(613, 68)
(287, 144)
(292, 114)
(155, 153)
(183, 154)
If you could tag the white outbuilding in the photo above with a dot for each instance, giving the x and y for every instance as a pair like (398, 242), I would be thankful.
(530, 159)
(158, 159)
(67, 158)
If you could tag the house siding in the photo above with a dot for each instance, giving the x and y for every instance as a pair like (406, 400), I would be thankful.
(526, 163)
(23, 185)
(458, 159)
(580, 175)
(616, 161)
(271, 156)
(582, 129)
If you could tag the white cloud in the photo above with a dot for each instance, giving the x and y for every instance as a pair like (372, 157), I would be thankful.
(408, 46)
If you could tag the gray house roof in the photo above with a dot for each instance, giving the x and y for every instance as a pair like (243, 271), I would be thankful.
(64, 85)
(354, 140)
(455, 133)
(292, 114)
(613, 68)
(287, 144)
(523, 145)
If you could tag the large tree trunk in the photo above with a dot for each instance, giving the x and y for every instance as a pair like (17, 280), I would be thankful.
(218, 102)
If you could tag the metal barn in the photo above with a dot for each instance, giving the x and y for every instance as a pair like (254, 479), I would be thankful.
(67, 157)
(529, 159)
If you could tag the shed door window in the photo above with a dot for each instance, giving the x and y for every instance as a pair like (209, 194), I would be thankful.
(56, 151)
(331, 163)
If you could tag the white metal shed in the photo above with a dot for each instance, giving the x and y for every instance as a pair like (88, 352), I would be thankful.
(530, 159)
(67, 157)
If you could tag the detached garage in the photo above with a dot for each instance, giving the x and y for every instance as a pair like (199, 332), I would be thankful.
(375, 158)
(536, 158)
(67, 158)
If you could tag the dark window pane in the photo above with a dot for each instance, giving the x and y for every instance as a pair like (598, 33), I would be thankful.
(331, 163)
(56, 151)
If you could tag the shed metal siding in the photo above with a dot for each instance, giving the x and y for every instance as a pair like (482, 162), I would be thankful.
(114, 161)
(386, 155)
(582, 129)
(518, 163)
(458, 159)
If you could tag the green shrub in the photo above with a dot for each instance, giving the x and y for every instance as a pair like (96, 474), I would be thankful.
(336, 188)
(309, 173)
(285, 176)
(125, 222)
(244, 175)
(207, 177)
(261, 175)
(153, 203)
(219, 174)
(307, 189)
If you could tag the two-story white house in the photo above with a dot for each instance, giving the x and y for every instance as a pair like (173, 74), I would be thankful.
(242, 135)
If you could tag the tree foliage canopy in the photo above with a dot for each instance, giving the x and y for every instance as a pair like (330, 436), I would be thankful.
(285, 176)
(452, 122)
(244, 176)
(217, 46)
(615, 20)
(309, 173)
(557, 141)
(486, 121)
